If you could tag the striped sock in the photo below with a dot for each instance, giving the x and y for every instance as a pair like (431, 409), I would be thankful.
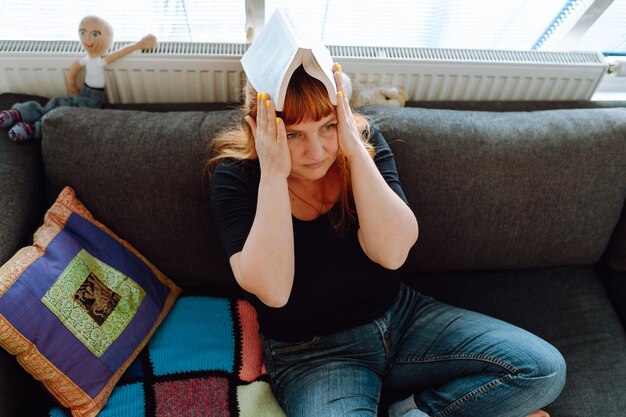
(22, 131)
(9, 117)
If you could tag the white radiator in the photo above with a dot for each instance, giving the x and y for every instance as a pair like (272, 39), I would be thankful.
(187, 72)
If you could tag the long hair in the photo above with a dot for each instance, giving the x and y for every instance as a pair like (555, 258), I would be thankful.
(306, 100)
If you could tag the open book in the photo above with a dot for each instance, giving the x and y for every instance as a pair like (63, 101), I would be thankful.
(278, 51)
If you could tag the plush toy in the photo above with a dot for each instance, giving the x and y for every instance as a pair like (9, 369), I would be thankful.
(96, 36)
(374, 95)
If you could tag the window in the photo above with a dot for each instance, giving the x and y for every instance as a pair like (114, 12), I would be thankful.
(169, 20)
(597, 25)
(478, 24)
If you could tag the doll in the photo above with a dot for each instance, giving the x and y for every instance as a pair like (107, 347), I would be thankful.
(96, 36)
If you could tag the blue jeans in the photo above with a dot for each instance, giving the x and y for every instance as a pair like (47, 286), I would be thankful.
(449, 361)
(33, 112)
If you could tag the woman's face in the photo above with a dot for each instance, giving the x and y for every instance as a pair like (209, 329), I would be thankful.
(313, 147)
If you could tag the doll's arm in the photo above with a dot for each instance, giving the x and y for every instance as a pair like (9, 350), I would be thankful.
(146, 42)
(75, 68)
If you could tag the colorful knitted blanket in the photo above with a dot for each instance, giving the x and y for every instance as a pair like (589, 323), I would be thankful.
(204, 360)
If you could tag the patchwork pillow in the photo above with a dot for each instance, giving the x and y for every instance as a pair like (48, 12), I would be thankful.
(204, 360)
(77, 306)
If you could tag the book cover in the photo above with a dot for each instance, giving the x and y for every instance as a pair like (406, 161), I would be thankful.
(279, 50)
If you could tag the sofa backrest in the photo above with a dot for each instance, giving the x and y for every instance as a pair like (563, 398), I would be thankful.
(509, 190)
(490, 190)
(142, 175)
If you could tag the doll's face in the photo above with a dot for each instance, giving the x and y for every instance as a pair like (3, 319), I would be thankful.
(95, 35)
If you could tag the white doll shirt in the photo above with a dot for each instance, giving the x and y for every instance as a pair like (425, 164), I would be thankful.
(94, 71)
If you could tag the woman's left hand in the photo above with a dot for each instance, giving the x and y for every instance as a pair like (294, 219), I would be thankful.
(348, 135)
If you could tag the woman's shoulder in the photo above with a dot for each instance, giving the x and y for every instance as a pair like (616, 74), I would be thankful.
(238, 165)
(377, 139)
(239, 170)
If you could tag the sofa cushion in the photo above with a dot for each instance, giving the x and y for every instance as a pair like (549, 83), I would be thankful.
(143, 174)
(567, 306)
(78, 305)
(204, 360)
(508, 190)
(615, 255)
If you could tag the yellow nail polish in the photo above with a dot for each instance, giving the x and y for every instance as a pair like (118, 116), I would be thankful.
(258, 96)
(339, 73)
(277, 120)
(340, 94)
(264, 96)
(267, 104)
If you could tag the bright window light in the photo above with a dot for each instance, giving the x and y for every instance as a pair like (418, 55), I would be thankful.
(168, 20)
(608, 33)
(476, 24)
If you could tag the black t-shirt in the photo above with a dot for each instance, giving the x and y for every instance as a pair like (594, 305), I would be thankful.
(336, 286)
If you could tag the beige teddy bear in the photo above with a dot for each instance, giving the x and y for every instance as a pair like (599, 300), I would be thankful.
(374, 95)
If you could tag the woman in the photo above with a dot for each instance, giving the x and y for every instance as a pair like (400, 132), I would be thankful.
(315, 223)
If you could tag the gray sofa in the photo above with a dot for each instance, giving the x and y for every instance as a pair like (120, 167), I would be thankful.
(521, 211)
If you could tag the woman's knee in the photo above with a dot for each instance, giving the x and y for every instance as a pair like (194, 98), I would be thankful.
(545, 369)
(329, 390)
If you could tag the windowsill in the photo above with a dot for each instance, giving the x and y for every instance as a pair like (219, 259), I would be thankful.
(607, 96)
(611, 88)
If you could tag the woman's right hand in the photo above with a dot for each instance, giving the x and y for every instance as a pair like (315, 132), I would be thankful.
(270, 139)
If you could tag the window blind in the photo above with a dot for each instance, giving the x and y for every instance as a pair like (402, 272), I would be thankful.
(476, 24)
(608, 33)
(169, 20)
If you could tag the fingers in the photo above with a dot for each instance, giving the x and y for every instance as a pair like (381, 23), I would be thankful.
(347, 133)
(271, 118)
(338, 80)
(343, 106)
(266, 120)
(261, 113)
(271, 138)
(341, 87)
(281, 131)
(252, 123)
(342, 95)
(336, 67)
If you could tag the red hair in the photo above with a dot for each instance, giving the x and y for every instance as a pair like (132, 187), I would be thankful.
(306, 100)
